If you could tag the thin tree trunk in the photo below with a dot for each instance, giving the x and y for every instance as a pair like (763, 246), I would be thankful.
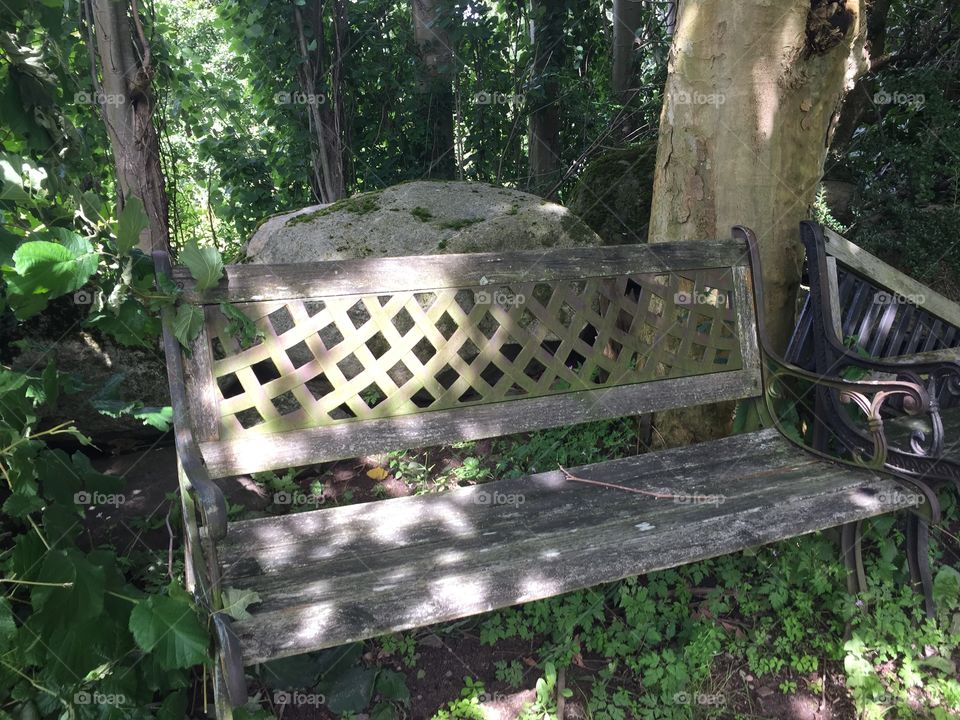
(627, 17)
(752, 90)
(324, 110)
(126, 75)
(544, 124)
(431, 21)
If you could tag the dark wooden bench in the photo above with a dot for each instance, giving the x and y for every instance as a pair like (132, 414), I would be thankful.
(371, 355)
(864, 315)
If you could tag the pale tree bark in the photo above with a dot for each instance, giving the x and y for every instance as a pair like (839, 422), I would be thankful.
(320, 79)
(124, 92)
(544, 124)
(431, 30)
(752, 92)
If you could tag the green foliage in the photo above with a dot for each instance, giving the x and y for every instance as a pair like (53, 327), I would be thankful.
(204, 263)
(240, 326)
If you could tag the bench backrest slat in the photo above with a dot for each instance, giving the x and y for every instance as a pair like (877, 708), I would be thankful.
(372, 355)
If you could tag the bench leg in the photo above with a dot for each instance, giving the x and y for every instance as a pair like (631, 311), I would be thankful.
(918, 557)
(851, 535)
(221, 703)
(229, 661)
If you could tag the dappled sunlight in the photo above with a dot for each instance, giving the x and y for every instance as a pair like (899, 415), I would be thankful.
(354, 572)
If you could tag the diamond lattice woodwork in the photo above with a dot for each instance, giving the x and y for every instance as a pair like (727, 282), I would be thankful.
(333, 360)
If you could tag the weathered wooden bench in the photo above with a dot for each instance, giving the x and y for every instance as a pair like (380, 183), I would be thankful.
(365, 356)
(863, 314)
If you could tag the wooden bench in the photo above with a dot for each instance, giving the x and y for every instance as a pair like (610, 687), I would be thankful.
(365, 356)
(863, 314)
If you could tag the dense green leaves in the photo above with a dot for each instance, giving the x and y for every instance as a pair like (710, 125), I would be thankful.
(169, 628)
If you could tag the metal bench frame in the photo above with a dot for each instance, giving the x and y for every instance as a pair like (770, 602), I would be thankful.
(902, 329)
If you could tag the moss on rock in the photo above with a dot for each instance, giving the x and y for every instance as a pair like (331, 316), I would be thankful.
(614, 192)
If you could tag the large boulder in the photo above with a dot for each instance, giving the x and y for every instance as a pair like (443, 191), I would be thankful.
(419, 218)
(614, 193)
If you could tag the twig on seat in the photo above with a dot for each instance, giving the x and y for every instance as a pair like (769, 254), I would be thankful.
(660, 496)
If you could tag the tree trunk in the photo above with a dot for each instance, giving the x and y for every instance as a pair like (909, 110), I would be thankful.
(431, 30)
(752, 90)
(323, 101)
(860, 99)
(544, 125)
(127, 104)
(627, 17)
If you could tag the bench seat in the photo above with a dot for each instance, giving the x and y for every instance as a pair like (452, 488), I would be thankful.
(336, 575)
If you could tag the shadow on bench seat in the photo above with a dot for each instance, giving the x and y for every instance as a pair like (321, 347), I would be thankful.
(333, 576)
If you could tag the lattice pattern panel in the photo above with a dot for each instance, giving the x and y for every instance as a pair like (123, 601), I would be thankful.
(342, 359)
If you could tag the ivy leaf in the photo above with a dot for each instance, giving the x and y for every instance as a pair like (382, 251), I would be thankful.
(130, 222)
(350, 692)
(168, 628)
(393, 686)
(20, 505)
(236, 601)
(946, 587)
(187, 323)
(204, 263)
(240, 326)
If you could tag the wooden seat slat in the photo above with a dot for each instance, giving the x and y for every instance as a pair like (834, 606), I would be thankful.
(349, 573)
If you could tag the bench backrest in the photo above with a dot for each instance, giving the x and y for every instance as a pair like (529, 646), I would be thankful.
(365, 356)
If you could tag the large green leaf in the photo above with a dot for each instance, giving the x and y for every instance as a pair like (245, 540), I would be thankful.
(82, 599)
(168, 628)
(204, 263)
(8, 627)
(131, 221)
(187, 323)
(44, 270)
(350, 692)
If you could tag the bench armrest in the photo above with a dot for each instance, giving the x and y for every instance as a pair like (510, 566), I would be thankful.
(866, 445)
(209, 496)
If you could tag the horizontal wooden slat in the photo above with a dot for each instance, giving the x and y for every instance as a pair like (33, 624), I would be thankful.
(859, 260)
(334, 576)
(290, 449)
(251, 283)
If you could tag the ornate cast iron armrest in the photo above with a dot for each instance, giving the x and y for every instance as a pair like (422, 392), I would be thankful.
(921, 467)
(841, 356)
